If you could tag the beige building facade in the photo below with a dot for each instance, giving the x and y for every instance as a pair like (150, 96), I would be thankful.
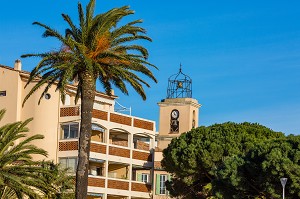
(122, 146)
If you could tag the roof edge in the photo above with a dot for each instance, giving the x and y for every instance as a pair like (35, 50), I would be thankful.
(26, 75)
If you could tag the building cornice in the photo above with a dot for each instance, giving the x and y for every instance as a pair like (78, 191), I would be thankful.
(25, 75)
(180, 103)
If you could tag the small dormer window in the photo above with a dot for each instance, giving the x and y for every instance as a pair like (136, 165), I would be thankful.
(2, 93)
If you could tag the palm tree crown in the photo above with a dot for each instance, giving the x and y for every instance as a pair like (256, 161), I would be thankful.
(97, 49)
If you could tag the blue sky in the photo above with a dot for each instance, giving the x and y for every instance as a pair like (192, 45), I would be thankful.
(243, 56)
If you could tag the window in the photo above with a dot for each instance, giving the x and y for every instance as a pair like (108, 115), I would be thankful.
(67, 100)
(68, 162)
(70, 130)
(163, 179)
(99, 171)
(145, 177)
(97, 133)
(96, 171)
(2, 93)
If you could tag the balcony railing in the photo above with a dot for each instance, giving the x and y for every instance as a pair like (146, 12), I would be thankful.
(118, 184)
(96, 181)
(141, 155)
(113, 150)
(141, 145)
(68, 145)
(69, 111)
(119, 151)
(98, 148)
(140, 187)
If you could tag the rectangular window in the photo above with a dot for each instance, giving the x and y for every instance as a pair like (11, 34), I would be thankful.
(2, 93)
(145, 177)
(99, 171)
(69, 130)
(69, 162)
(163, 179)
(96, 171)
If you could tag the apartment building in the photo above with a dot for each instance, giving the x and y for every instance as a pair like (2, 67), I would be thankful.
(122, 146)
(126, 151)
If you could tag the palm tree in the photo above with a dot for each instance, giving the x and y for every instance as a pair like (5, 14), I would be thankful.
(60, 183)
(95, 49)
(19, 174)
(22, 177)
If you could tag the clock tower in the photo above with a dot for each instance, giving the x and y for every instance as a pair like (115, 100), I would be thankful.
(178, 113)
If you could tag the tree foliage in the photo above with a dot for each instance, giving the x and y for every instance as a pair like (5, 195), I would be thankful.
(233, 160)
(20, 175)
(61, 183)
(97, 48)
(258, 172)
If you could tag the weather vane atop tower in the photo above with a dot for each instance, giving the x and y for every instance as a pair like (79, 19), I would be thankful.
(179, 85)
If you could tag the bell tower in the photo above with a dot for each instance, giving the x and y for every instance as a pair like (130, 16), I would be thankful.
(178, 113)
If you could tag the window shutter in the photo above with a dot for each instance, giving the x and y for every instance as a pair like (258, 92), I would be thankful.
(157, 185)
(139, 177)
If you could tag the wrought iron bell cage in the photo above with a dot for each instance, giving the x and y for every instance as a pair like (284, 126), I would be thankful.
(179, 85)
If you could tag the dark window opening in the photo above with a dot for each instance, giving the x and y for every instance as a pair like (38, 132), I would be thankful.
(2, 93)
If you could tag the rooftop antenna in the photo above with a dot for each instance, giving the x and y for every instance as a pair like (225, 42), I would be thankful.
(122, 108)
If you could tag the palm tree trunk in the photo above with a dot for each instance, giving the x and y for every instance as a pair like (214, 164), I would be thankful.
(87, 101)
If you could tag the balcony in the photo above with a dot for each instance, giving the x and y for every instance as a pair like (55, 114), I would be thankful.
(116, 179)
(98, 147)
(70, 111)
(119, 137)
(142, 155)
(108, 141)
(96, 167)
(98, 133)
(141, 141)
(118, 170)
(119, 151)
(68, 145)
(140, 187)
(95, 181)
(118, 184)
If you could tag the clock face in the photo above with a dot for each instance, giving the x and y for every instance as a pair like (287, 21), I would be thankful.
(175, 114)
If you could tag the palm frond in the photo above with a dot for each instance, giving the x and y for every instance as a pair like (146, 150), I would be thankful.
(81, 18)
(19, 173)
(2, 112)
(90, 9)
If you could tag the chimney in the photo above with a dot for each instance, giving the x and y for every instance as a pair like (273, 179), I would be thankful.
(18, 65)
